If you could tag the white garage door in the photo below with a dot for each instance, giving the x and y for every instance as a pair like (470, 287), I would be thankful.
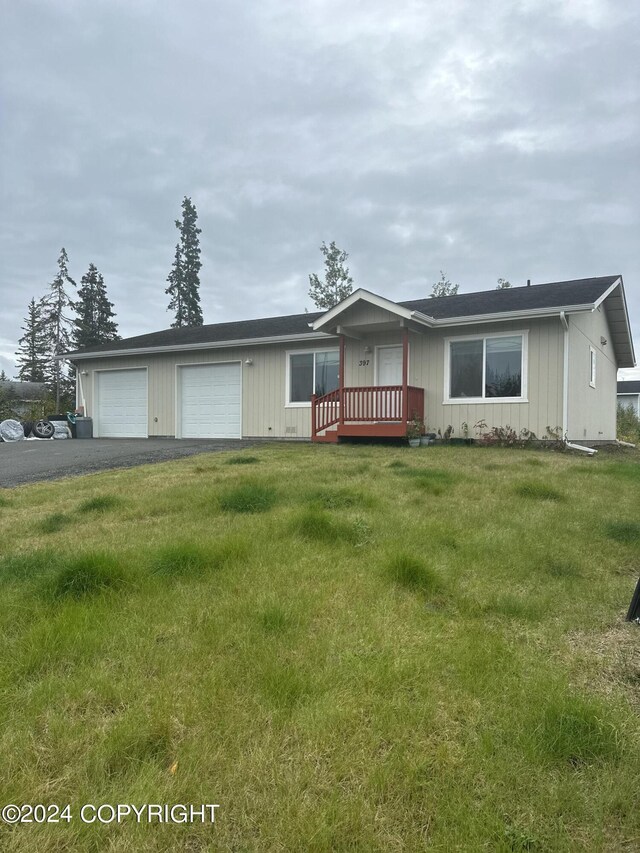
(210, 401)
(121, 403)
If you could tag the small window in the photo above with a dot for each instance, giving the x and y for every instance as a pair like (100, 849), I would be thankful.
(311, 373)
(592, 367)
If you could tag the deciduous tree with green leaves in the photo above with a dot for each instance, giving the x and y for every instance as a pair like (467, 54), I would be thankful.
(94, 323)
(184, 278)
(444, 287)
(337, 284)
(33, 358)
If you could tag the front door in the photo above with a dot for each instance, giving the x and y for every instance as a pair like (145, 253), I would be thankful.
(389, 365)
(389, 372)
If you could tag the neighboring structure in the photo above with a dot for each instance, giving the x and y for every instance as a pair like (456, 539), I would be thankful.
(23, 395)
(629, 395)
(528, 357)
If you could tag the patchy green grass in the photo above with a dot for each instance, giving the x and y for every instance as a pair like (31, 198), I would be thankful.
(538, 491)
(248, 497)
(357, 648)
(100, 503)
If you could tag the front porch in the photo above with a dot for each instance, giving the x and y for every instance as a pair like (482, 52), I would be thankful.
(367, 411)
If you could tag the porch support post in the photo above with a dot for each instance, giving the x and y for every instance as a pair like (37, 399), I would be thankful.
(341, 380)
(314, 431)
(405, 374)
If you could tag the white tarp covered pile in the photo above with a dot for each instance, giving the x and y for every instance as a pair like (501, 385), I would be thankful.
(11, 430)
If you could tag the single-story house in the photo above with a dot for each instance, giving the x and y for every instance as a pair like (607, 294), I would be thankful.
(529, 357)
(23, 395)
(629, 395)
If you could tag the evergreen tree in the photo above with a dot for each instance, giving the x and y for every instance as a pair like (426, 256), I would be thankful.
(444, 287)
(56, 322)
(94, 323)
(3, 376)
(337, 284)
(32, 353)
(503, 284)
(184, 278)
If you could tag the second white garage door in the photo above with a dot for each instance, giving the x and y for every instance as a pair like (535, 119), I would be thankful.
(211, 400)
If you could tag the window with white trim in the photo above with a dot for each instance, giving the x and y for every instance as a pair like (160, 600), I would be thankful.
(486, 368)
(311, 373)
(592, 367)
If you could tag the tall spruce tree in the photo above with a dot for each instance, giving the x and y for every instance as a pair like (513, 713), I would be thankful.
(94, 323)
(337, 284)
(184, 278)
(56, 321)
(32, 352)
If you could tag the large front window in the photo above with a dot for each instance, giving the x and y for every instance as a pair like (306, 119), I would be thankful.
(312, 373)
(486, 368)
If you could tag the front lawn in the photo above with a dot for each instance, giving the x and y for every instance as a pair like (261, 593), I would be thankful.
(348, 648)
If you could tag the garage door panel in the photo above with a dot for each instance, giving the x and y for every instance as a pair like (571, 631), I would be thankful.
(122, 403)
(211, 401)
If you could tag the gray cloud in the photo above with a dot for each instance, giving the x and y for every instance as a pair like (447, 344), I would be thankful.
(491, 141)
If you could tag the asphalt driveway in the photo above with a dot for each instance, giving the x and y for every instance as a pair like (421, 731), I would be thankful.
(34, 461)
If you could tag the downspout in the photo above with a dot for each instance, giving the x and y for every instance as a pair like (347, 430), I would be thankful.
(565, 375)
(565, 392)
(80, 393)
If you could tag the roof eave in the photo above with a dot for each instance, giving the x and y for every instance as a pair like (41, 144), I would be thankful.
(239, 342)
(473, 319)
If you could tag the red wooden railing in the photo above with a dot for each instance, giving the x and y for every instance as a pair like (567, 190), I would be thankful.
(366, 404)
(325, 411)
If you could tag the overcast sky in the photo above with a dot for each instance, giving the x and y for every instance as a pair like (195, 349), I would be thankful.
(494, 139)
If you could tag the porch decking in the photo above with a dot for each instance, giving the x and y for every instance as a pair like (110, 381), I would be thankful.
(381, 411)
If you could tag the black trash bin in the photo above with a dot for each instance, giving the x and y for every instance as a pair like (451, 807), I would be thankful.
(84, 427)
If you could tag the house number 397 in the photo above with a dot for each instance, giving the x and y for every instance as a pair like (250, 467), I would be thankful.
(363, 362)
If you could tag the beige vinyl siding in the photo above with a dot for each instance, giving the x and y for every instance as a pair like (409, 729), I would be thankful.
(592, 411)
(264, 413)
(427, 370)
(264, 409)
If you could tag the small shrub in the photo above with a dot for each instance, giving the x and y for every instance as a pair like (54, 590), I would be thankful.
(87, 575)
(626, 532)
(54, 523)
(242, 460)
(538, 491)
(248, 497)
(101, 503)
(576, 731)
(413, 573)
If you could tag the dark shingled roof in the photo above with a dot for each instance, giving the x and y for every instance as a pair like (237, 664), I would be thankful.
(552, 295)
(631, 386)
